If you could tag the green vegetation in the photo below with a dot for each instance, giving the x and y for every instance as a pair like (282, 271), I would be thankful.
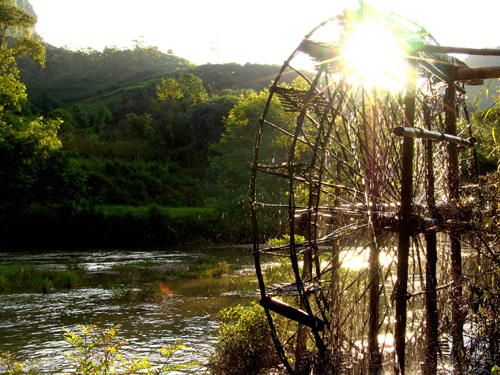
(146, 271)
(22, 277)
(244, 346)
(96, 351)
(136, 147)
(12, 366)
(83, 132)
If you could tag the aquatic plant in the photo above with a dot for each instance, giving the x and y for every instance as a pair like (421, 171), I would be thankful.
(97, 351)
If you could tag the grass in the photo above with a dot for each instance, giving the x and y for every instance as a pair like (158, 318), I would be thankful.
(198, 269)
(146, 282)
(24, 277)
(28, 278)
(145, 211)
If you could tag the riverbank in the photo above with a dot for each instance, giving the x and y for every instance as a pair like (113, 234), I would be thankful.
(119, 227)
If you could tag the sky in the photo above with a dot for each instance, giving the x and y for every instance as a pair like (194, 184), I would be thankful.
(253, 31)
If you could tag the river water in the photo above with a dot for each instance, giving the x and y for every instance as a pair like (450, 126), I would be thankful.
(31, 323)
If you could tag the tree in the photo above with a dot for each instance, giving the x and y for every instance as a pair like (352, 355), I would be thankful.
(175, 97)
(230, 168)
(188, 87)
(16, 39)
(36, 177)
(207, 122)
(102, 119)
(140, 129)
(487, 125)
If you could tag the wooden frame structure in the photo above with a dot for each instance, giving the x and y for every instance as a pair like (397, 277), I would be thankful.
(450, 137)
(360, 188)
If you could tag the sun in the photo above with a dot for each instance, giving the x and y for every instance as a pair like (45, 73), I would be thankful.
(372, 56)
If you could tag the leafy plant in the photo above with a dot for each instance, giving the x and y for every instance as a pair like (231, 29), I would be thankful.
(244, 346)
(98, 351)
(12, 366)
(285, 240)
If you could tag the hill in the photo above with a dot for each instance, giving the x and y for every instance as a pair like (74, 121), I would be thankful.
(478, 94)
(124, 81)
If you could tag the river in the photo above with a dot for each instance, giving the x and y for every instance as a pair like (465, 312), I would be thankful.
(31, 323)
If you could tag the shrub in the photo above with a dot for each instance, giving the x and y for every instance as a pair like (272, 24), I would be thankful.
(12, 366)
(244, 346)
(98, 351)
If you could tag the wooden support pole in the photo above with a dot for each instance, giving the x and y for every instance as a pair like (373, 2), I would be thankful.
(431, 310)
(374, 302)
(292, 313)
(335, 286)
(457, 316)
(371, 195)
(461, 50)
(404, 233)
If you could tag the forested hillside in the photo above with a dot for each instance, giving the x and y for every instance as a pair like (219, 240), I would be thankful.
(177, 105)
(92, 79)
(483, 96)
(121, 147)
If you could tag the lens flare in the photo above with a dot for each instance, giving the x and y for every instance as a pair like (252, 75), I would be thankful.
(373, 57)
(166, 288)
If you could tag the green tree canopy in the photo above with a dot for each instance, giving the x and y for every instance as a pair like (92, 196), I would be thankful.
(207, 121)
(175, 97)
(16, 39)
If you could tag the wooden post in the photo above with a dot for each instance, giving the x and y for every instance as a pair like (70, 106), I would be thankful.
(375, 359)
(335, 302)
(404, 230)
(373, 302)
(457, 317)
(431, 311)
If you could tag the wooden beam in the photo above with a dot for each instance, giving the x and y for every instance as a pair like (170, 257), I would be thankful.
(461, 50)
(438, 73)
(292, 313)
(431, 309)
(463, 74)
(402, 131)
(401, 287)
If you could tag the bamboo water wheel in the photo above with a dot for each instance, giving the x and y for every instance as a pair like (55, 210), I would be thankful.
(367, 180)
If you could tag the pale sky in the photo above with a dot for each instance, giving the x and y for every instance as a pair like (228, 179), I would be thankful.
(255, 31)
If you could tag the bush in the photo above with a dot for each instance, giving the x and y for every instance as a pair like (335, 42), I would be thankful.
(245, 346)
(97, 351)
(484, 296)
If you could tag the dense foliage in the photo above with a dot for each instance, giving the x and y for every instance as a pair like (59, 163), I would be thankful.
(245, 346)
(82, 130)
